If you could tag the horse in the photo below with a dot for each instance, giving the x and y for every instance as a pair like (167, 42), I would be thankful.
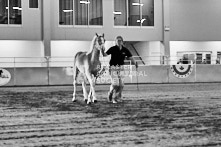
(89, 65)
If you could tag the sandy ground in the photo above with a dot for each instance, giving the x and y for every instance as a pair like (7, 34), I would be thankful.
(156, 115)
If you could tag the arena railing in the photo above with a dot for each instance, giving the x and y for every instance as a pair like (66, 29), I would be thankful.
(68, 61)
(23, 62)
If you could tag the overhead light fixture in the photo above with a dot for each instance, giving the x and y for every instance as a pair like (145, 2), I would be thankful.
(66, 11)
(137, 4)
(17, 8)
(141, 21)
(84, 2)
(117, 13)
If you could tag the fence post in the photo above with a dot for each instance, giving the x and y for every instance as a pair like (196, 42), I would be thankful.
(195, 72)
(48, 67)
(14, 72)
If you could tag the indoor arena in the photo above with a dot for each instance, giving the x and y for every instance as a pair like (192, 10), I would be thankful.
(110, 73)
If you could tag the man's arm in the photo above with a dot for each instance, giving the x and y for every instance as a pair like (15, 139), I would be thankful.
(130, 57)
(103, 52)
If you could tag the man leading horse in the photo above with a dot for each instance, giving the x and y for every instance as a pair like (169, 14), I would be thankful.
(118, 54)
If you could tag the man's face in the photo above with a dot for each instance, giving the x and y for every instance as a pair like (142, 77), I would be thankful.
(119, 42)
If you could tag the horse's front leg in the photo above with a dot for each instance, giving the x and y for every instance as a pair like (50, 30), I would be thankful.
(90, 94)
(75, 73)
(92, 89)
(84, 91)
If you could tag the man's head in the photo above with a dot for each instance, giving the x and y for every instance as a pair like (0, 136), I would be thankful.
(119, 41)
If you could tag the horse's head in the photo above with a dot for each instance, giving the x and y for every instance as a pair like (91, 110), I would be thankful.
(97, 44)
(100, 40)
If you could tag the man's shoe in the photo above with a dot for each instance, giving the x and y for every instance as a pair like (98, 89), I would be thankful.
(110, 94)
(114, 101)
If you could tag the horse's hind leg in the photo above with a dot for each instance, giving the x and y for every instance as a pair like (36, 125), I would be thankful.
(75, 73)
(74, 84)
(74, 93)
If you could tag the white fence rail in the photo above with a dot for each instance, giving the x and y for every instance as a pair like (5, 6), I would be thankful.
(68, 61)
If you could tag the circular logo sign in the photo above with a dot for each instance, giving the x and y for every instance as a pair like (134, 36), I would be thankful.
(5, 76)
(181, 71)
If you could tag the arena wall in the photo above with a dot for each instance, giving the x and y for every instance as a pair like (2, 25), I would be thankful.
(146, 74)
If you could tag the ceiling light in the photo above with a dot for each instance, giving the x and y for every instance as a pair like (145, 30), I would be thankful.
(84, 2)
(66, 11)
(117, 13)
(137, 4)
(17, 8)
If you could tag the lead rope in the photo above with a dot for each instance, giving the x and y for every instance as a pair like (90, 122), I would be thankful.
(103, 65)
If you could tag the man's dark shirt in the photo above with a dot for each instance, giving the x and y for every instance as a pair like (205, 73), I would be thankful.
(117, 55)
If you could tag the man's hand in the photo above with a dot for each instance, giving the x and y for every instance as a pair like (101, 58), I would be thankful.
(103, 52)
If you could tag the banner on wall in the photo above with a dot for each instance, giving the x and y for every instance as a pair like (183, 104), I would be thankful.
(182, 70)
(5, 76)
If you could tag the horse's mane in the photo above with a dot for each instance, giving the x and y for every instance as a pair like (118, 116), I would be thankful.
(93, 43)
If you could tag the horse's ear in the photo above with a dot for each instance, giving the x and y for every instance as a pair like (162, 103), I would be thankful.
(103, 34)
(96, 34)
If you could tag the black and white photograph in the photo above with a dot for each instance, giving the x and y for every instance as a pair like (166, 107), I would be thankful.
(110, 73)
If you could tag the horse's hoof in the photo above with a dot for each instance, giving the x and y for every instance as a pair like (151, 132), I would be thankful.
(95, 101)
(85, 100)
(74, 101)
(89, 103)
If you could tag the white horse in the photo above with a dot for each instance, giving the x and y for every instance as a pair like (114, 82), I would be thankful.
(89, 65)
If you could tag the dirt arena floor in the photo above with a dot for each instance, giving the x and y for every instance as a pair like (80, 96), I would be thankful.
(156, 115)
